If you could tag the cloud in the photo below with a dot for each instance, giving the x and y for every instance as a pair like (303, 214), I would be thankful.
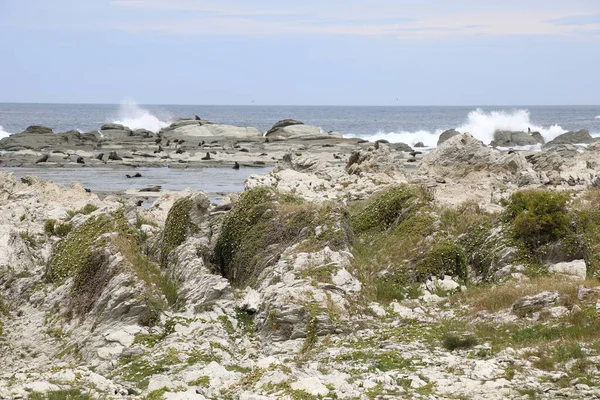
(578, 20)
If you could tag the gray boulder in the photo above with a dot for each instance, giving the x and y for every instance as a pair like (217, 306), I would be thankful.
(447, 135)
(37, 129)
(512, 138)
(529, 304)
(579, 137)
(282, 124)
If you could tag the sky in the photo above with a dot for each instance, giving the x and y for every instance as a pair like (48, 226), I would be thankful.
(280, 52)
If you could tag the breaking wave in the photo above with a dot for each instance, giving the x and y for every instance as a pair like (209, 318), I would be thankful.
(3, 133)
(598, 117)
(135, 117)
(481, 124)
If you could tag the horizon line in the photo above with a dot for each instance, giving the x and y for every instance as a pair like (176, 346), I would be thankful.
(310, 105)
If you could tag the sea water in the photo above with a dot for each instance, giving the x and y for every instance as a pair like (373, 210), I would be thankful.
(409, 125)
(396, 124)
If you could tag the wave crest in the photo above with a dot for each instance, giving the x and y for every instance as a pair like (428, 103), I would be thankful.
(483, 125)
(3, 133)
(598, 117)
(135, 117)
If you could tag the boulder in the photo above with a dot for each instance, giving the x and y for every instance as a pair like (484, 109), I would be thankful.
(37, 129)
(192, 130)
(529, 304)
(512, 138)
(574, 269)
(580, 137)
(282, 124)
(447, 135)
(296, 131)
(39, 137)
(109, 127)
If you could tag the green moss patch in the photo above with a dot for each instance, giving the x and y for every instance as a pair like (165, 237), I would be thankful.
(263, 223)
(176, 228)
(445, 258)
(385, 210)
(72, 253)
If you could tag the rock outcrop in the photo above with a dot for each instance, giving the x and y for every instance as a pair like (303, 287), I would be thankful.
(513, 139)
(580, 137)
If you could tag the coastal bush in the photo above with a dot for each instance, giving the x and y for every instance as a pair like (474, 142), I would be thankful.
(537, 216)
(85, 210)
(176, 228)
(263, 223)
(446, 258)
(49, 227)
(385, 210)
(453, 341)
(67, 394)
(72, 253)
(62, 230)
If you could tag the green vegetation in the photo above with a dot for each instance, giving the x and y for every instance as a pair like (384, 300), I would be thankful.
(176, 228)
(538, 216)
(263, 223)
(69, 394)
(385, 210)
(453, 341)
(445, 258)
(73, 252)
(85, 210)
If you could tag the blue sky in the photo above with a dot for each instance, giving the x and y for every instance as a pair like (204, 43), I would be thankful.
(334, 52)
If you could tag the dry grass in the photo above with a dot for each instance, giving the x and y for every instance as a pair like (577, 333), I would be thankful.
(496, 298)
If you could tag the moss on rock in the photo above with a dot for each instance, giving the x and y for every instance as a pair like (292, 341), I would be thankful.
(385, 210)
(176, 228)
(263, 223)
(73, 252)
(446, 258)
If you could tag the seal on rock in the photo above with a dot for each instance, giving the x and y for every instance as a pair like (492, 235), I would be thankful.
(43, 159)
(206, 157)
(236, 165)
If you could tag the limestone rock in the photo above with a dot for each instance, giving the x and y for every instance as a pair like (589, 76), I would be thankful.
(444, 136)
(512, 139)
(530, 304)
(580, 137)
(575, 269)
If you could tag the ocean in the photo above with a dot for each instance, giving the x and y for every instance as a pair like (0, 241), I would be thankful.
(396, 124)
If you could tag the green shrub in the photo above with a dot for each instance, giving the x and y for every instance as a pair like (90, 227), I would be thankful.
(49, 227)
(72, 253)
(63, 230)
(453, 341)
(263, 223)
(537, 216)
(68, 394)
(385, 210)
(176, 228)
(446, 258)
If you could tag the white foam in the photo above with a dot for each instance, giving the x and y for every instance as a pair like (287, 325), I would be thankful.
(598, 117)
(3, 133)
(135, 117)
(411, 138)
(482, 125)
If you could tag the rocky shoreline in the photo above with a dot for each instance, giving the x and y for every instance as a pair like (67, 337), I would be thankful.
(340, 274)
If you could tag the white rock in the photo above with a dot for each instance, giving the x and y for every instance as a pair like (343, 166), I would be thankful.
(346, 281)
(312, 385)
(402, 311)
(159, 382)
(189, 395)
(377, 309)
(251, 301)
(575, 269)
(40, 387)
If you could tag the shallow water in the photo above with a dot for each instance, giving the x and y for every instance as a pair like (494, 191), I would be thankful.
(210, 180)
